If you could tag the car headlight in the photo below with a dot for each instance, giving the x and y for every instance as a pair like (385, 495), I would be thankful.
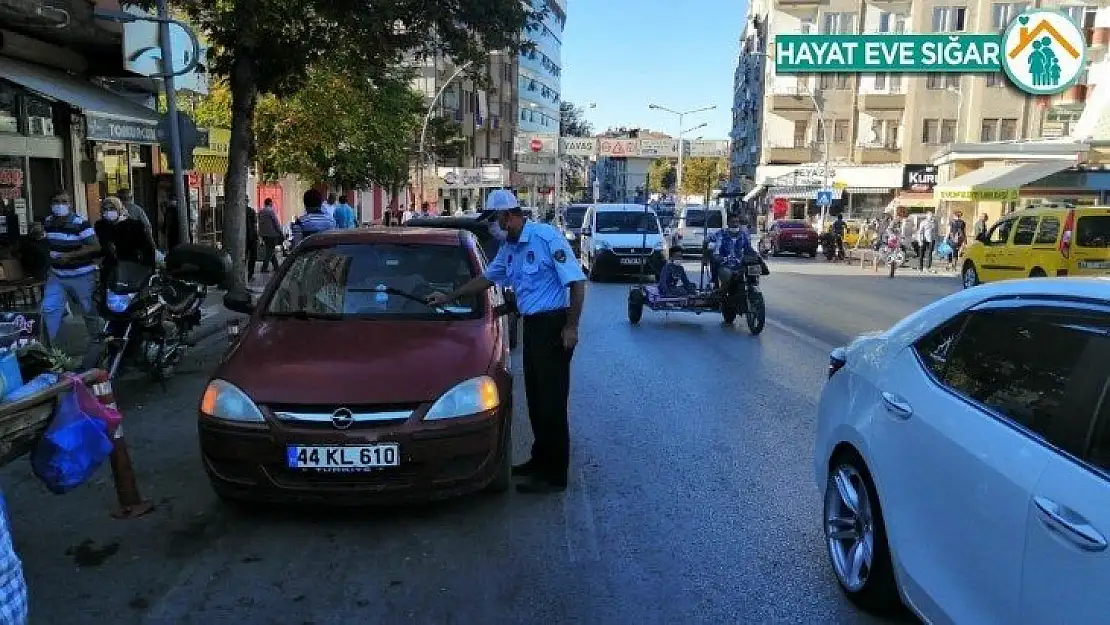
(601, 244)
(467, 398)
(569, 235)
(225, 401)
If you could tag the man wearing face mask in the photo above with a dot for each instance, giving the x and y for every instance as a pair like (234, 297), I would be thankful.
(731, 243)
(536, 260)
(72, 275)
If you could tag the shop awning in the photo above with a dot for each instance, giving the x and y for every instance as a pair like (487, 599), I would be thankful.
(999, 183)
(109, 116)
(801, 193)
(754, 193)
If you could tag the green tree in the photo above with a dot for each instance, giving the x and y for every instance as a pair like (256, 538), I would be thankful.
(663, 175)
(701, 174)
(266, 47)
(573, 123)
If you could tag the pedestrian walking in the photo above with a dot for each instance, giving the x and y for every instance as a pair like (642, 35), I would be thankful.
(537, 262)
(269, 230)
(251, 240)
(926, 238)
(329, 206)
(136, 212)
(314, 218)
(73, 251)
(957, 238)
(344, 214)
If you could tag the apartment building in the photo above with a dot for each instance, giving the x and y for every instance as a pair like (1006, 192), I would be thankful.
(539, 84)
(482, 158)
(747, 104)
(867, 127)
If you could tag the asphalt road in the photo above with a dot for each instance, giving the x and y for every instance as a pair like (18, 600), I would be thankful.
(692, 496)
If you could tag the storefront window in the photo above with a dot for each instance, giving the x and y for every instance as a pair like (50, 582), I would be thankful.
(13, 198)
(9, 109)
(115, 160)
(40, 117)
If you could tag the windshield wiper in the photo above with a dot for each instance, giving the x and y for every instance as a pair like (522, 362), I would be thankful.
(411, 298)
(305, 315)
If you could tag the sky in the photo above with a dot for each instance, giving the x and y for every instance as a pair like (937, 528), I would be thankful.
(626, 54)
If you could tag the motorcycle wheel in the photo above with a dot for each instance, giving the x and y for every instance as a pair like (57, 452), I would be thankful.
(756, 316)
(635, 307)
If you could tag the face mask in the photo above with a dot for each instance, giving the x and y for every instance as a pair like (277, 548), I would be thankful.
(111, 215)
(497, 232)
(59, 209)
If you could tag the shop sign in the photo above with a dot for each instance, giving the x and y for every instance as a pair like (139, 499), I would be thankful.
(919, 178)
(458, 177)
(979, 195)
(11, 183)
(117, 131)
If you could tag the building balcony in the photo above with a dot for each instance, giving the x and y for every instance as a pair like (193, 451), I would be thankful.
(796, 153)
(877, 153)
(882, 101)
(1075, 94)
(783, 101)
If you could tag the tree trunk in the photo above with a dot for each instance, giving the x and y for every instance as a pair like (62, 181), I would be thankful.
(244, 96)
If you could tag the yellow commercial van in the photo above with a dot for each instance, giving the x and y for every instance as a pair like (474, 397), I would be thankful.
(1040, 242)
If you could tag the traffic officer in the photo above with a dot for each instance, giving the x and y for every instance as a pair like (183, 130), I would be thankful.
(537, 262)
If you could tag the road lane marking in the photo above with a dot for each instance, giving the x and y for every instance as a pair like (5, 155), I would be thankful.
(808, 339)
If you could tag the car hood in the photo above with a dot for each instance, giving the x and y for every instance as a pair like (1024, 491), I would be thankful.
(288, 361)
(627, 240)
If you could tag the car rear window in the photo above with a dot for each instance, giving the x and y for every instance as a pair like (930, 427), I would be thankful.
(381, 280)
(696, 219)
(574, 216)
(1093, 231)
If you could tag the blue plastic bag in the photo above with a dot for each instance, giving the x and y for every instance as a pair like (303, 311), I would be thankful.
(38, 383)
(72, 449)
(10, 376)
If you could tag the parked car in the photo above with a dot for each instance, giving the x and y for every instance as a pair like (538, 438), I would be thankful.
(787, 235)
(489, 246)
(572, 225)
(692, 227)
(621, 239)
(1041, 242)
(345, 386)
(963, 457)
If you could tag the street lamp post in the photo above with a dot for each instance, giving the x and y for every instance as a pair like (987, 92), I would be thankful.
(825, 163)
(424, 127)
(681, 144)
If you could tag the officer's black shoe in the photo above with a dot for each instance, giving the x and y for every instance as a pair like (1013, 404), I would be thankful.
(539, 486)
(527, 469)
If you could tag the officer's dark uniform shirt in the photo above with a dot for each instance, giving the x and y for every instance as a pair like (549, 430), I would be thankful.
(539, 266)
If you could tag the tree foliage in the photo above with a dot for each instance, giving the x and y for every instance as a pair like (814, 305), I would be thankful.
(700, 174)
(343, 131)
(267, 47)
(573, 122)
(663, 175)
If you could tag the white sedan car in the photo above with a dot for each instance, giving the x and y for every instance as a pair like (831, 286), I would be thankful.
(964, 458)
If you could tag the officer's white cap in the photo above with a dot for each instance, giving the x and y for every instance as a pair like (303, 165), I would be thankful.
(501, 200)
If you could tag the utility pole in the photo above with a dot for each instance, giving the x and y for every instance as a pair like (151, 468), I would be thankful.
(682, 144)
(184, 230)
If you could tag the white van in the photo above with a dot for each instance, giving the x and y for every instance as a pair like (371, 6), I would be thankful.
(691, 228)
(617, 239)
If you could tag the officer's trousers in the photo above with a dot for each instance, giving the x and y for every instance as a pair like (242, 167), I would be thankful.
(547, 386)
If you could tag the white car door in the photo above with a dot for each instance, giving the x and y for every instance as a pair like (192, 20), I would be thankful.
(1066, 572)
(954, 477)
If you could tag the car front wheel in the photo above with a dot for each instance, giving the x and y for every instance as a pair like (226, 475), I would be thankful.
(856, 537)
(969, 275)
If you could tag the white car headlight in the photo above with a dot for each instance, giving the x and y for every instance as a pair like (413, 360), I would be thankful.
(225, 401)
(569, 235)
(467, 398)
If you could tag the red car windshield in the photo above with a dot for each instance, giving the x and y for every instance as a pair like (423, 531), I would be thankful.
(379, 280)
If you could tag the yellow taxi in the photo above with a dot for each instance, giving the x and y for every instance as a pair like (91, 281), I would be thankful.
(1040, 242)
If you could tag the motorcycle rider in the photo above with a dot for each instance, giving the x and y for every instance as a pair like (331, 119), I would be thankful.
(123, 241)
(731, 243)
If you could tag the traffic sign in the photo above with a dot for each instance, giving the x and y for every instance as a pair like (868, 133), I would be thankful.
(824, 197)
(535, 144)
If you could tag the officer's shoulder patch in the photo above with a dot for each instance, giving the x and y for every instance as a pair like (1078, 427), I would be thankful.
(560, 256)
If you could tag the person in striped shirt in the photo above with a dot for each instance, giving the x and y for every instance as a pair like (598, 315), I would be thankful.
(314, 219)
(72, 275)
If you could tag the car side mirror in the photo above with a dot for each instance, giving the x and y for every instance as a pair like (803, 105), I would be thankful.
(239, 303)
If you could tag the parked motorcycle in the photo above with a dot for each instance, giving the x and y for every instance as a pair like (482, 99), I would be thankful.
(742, 294)
(892, 254)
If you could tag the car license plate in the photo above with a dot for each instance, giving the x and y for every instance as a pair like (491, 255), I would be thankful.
(347, 458)
(755, 270)
(630, 261)
(1094, 264)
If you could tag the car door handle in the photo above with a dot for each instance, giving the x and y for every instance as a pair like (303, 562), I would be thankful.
(1069, 525)
(897, 406)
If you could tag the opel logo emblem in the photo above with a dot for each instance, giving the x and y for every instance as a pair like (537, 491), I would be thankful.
(342, 419)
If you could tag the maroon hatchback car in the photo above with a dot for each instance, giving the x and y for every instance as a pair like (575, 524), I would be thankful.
(790, 236)
(346, 387)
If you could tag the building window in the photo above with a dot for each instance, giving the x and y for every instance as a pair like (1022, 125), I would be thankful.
(949, 19)
(948, 131)
(838, 24)
(896, 83)
(884, 22)
(880, 82)
(890, 137)
(988, 130)
(1007, 130)
(930, 131)
(942, 81)
(840, 131)
(996, 80)
(835, 81)
(801, 132)
(9, 109)
(807, 26)
(1002, 13)
(40, 117)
